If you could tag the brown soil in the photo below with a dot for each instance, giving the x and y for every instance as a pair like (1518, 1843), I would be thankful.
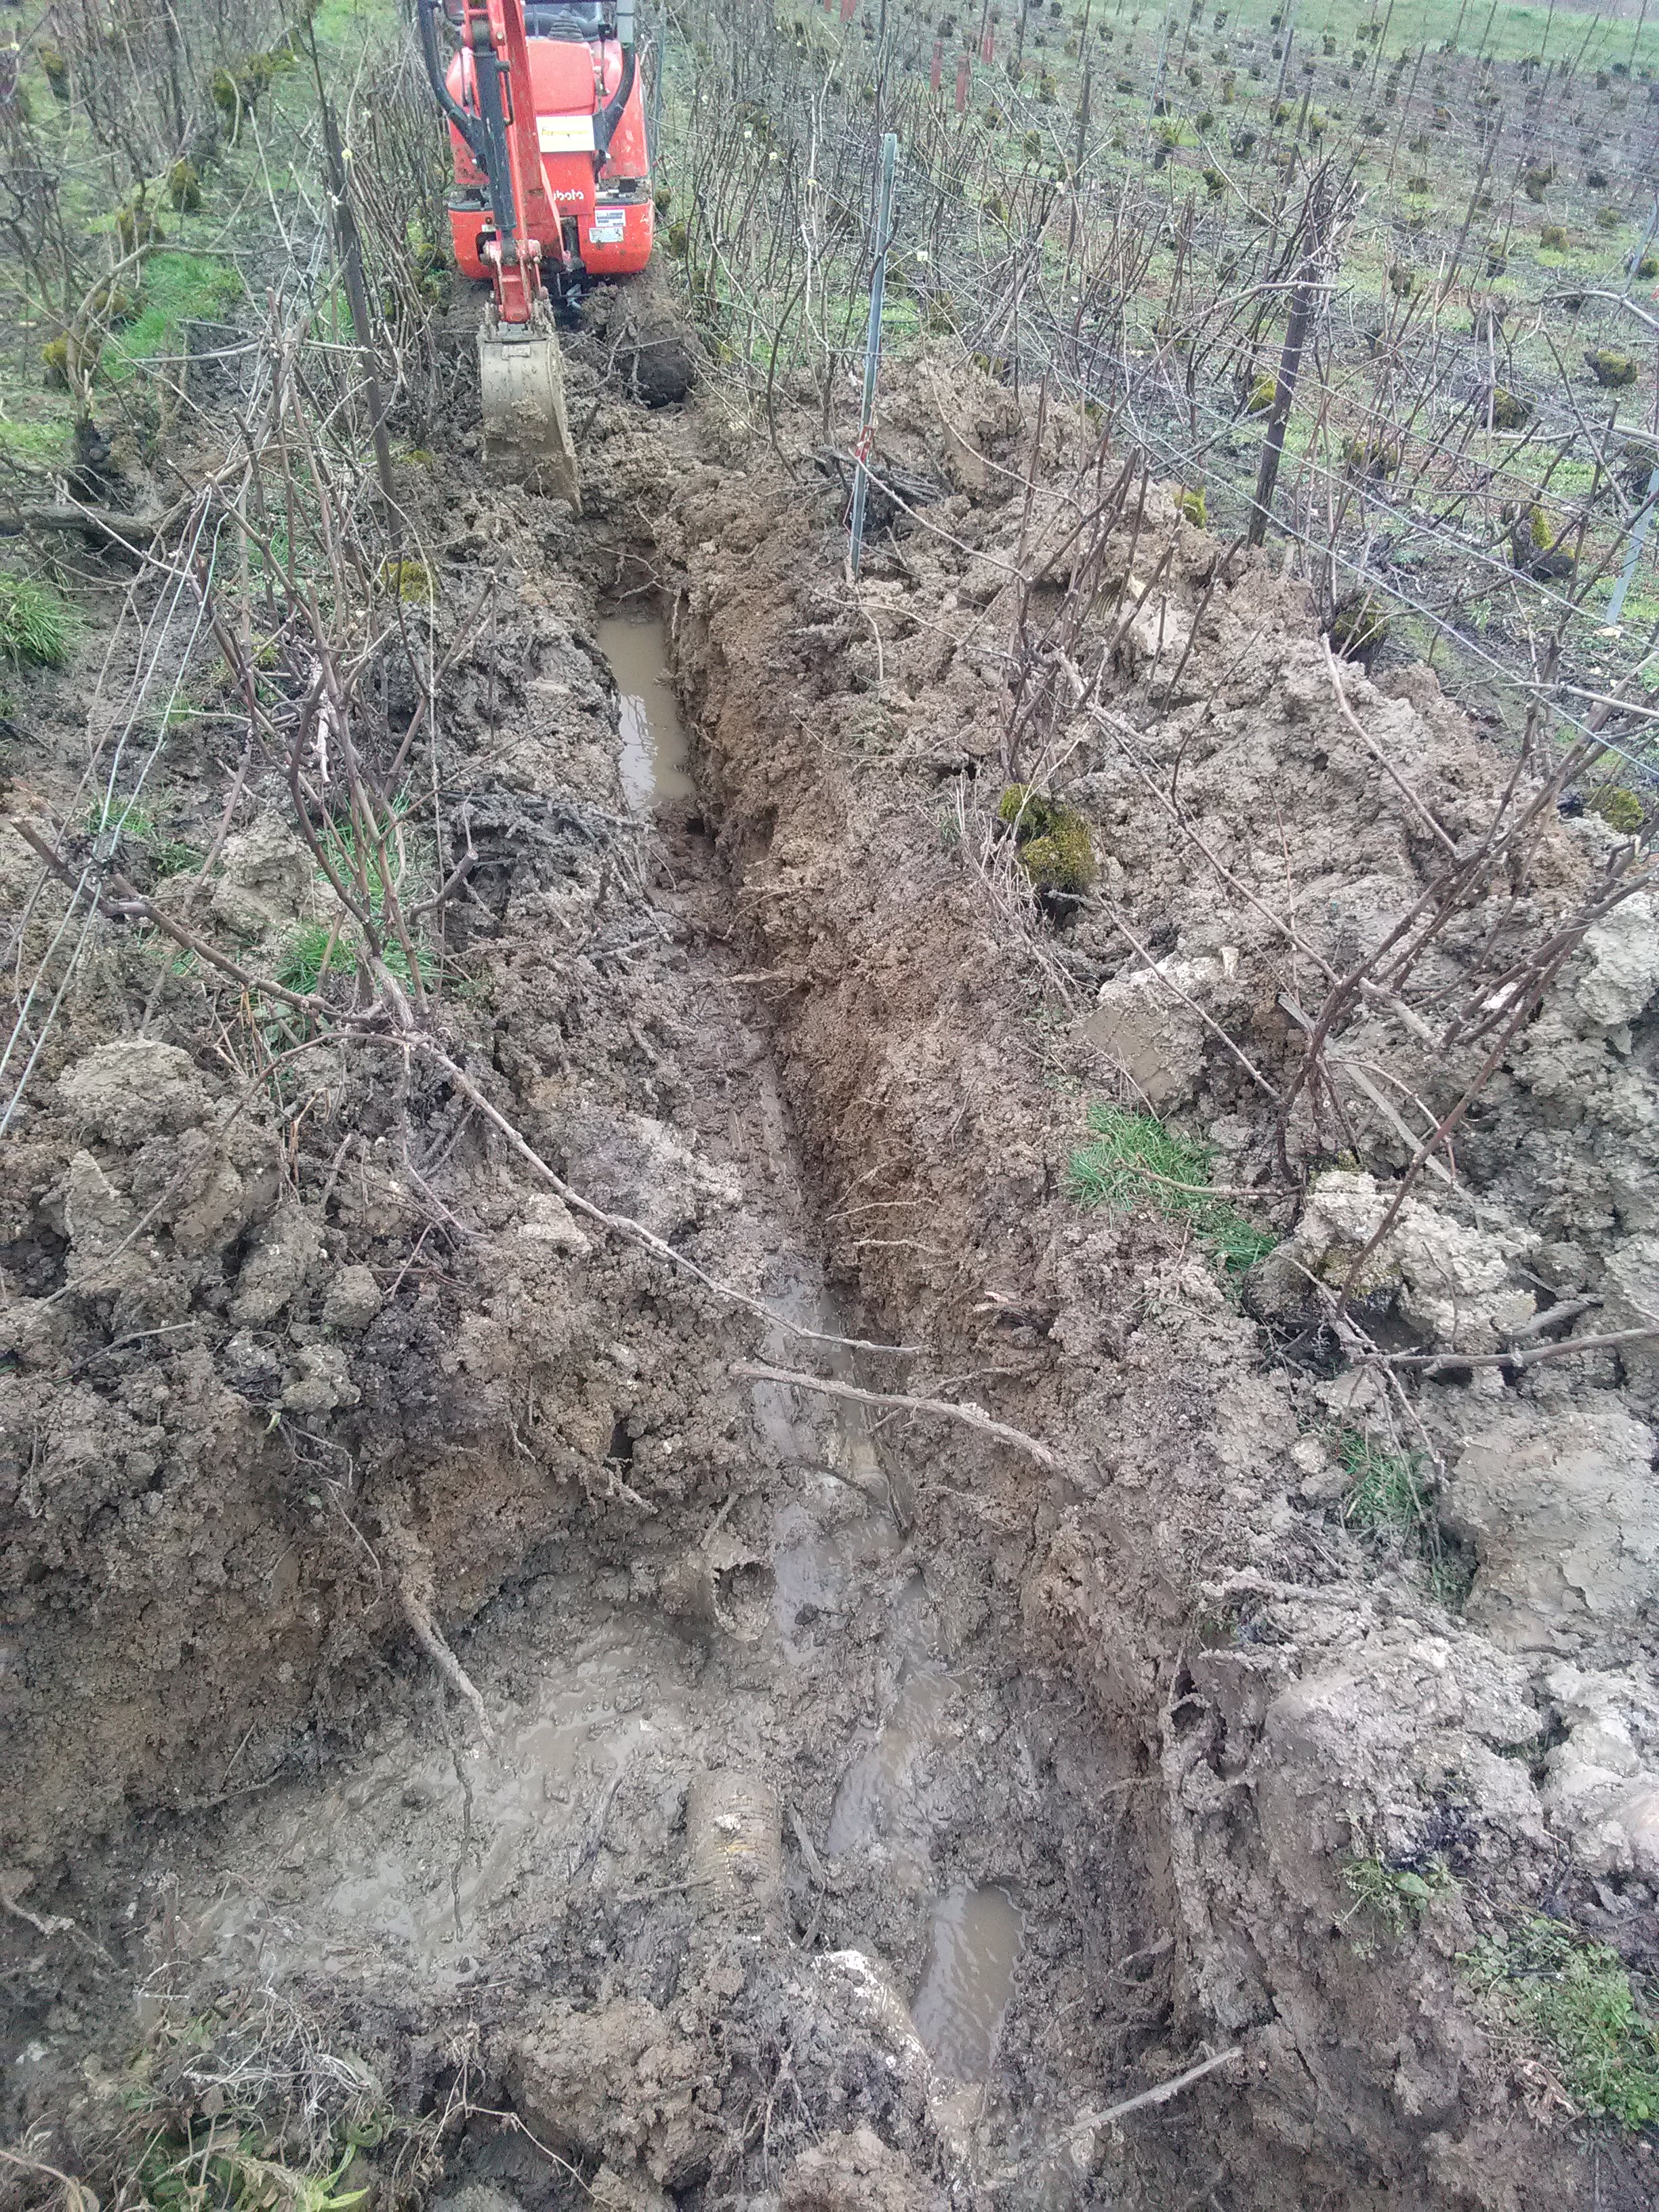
(770, 1674)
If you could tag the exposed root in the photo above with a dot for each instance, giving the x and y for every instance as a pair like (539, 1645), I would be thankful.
(1091, 2123)
(75, 2195)
(971, 1417)
(444, 1659)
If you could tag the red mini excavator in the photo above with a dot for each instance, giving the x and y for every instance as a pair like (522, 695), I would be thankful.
(552, 189)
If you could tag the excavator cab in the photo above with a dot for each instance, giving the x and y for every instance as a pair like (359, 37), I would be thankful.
(571, 19)
(552, 190)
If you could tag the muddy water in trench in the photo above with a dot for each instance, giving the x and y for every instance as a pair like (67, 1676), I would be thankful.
(881, 1803)
(654, 756)
(968, 1980)
(433, 1853)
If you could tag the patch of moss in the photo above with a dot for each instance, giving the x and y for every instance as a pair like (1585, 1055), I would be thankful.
(1023, 811)
(136, 228)
(410, 580)
(236, 91)
(1552, 237)
(1190, 505)
(1370, 457)
(1621, 810)
(1535, 547)
(1509, 410)
(1053, 840)
(1262, 394)
(1612, 371)
(1062, 860)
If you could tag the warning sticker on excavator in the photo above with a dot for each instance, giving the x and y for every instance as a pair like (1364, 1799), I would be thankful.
(610, 226)
(565, 134)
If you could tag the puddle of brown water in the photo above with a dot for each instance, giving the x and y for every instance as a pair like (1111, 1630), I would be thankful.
(655, 755)
(968, 1980)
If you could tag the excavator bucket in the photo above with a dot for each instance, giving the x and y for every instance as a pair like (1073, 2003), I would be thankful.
(526, 432)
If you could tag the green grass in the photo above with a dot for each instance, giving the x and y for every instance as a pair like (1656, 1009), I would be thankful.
(1575, 2000)
(1389, 1500)
(171, 856)
(126, 817)
(315, 950)
(311, 953)
(1133, 1160)
(339, 21)
(1386, 1496)
(212, 2167)
(36, 627)
(290, 2123)
(128, 821)
(39, 444)
(179, 287)
(1398, 1896)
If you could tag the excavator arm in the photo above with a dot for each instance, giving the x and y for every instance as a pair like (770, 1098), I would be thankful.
(520, 368)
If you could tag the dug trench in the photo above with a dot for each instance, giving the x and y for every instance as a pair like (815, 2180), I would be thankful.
(455, 1692)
